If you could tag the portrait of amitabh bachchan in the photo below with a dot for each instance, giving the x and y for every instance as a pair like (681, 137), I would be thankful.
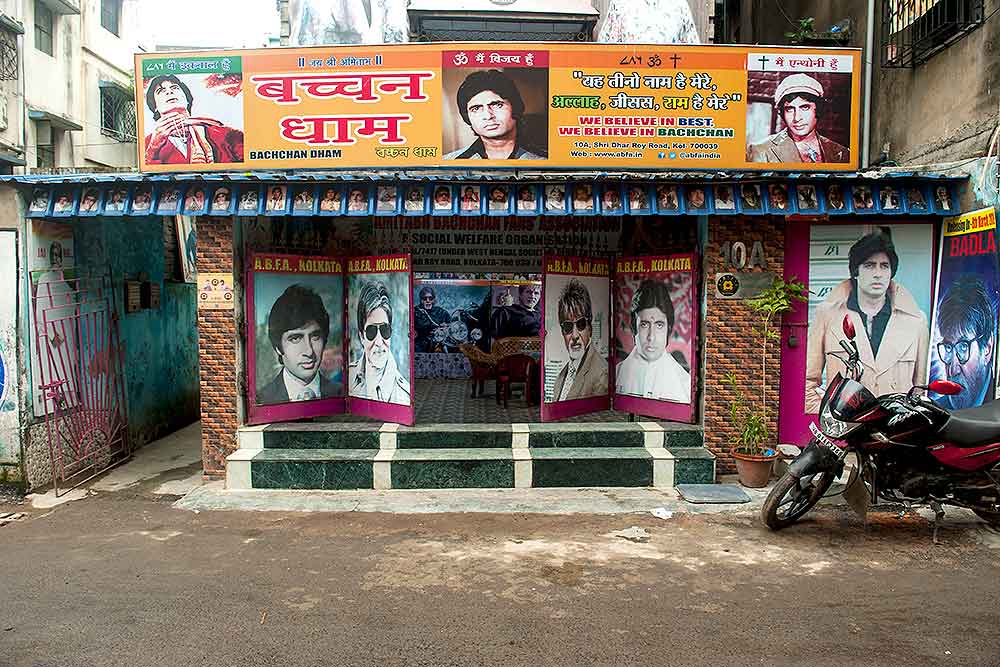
(492, 106)
(298, 327)
(179, 136)
(801, 103)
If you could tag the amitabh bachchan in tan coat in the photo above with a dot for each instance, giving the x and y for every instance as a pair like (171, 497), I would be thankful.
(899, 360)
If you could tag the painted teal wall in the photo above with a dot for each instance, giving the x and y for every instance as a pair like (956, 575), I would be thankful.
(161, 345)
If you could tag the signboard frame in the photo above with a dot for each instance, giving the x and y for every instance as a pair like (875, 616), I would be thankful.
(574, 106)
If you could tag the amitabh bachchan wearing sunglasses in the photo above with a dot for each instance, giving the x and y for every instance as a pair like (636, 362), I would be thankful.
(375, 376)
(586, 372)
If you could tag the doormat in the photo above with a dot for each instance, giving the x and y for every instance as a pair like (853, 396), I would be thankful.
(712, 493)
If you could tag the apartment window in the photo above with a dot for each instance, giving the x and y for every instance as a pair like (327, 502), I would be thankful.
(46, 156)
(111, 11)
(914, 30)
(117, 112)
(44, 28)
(8, 55)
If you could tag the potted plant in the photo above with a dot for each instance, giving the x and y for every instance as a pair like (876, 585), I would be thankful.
(754, 452)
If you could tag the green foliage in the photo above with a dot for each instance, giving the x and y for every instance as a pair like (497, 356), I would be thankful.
(751, 423)
(752, 420)
(802, 31)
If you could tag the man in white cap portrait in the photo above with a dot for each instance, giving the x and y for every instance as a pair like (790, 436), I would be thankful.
(799, 100)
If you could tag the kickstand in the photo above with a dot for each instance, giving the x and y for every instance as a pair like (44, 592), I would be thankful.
(938, 517)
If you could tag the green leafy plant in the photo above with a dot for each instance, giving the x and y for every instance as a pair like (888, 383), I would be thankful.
(751, 420)
(802, 31)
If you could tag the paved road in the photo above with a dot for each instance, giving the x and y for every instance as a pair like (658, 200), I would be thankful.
(126, 579)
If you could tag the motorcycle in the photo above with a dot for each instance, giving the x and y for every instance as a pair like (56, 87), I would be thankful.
(909, 450)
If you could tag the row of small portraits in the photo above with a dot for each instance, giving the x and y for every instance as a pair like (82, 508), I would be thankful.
(576, 198)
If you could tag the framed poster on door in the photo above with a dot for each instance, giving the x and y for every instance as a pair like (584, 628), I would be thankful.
(295, 350)
(655, 328)
(576, 336)
(881, 277)
(380, 326)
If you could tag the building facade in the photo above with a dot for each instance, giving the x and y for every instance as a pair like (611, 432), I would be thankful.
(859, 231)
(67, 85)
(933, 77)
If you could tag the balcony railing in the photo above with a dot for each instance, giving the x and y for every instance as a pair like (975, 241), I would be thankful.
(914, 30)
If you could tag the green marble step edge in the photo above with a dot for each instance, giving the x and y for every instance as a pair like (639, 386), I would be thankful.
(476, 467)
(313, 469)
(693, 465)
(591, 467)
(449, 436)
(469, 468)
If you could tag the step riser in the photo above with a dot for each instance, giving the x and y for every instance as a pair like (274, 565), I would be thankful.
(548, 473)
(342, 456)
(452, 474)
(312, 475)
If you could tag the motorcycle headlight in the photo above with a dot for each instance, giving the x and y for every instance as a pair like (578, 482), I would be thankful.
(832, 426)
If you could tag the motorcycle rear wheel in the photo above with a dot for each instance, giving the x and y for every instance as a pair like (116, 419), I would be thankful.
(992, 518)
(792, 497)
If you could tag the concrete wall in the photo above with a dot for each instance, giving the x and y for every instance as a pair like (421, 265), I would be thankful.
(940, 111)
(943, 110)
(52, 83)
(766, 22)
(161, 345)
(67, 85)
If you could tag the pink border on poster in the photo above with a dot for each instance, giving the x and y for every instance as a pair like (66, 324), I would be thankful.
(262, 414)
(585, 267)
(390, 412)
(669, 410)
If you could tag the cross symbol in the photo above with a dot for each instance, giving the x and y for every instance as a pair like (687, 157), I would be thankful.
(675, 58)
(763, 62)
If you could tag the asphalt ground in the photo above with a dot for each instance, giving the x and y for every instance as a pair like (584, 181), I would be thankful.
(127, 578)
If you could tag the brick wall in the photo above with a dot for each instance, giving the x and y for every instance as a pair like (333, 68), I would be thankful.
(729, 346)
(217, 352)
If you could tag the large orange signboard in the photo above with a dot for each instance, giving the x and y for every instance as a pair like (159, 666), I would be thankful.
(553, 105)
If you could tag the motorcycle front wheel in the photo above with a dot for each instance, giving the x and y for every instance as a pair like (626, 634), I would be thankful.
(792, 497)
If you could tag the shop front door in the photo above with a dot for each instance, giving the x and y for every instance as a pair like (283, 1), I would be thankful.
(881, 276)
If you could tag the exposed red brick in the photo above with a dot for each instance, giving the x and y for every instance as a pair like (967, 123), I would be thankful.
(730, 346)
(217, 352)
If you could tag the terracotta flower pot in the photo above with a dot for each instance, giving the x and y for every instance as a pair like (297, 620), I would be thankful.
(754, 470)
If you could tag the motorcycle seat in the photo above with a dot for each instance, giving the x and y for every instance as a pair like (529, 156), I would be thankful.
(974, 427)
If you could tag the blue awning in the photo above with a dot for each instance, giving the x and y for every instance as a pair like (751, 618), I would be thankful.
(475, 175)
(528, 193)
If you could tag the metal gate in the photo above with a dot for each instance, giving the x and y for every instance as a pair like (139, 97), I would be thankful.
(81, 377)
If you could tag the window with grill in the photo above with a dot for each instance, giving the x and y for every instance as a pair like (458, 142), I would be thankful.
(914, 30)
(44, 28)
(111, 11)
(117, 113)
(8, 55)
